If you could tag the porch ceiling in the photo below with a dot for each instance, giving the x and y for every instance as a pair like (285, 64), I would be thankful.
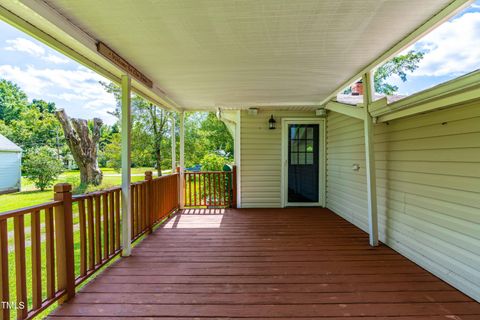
(241, 53)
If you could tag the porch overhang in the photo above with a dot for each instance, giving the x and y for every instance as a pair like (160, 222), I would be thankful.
(204, 54)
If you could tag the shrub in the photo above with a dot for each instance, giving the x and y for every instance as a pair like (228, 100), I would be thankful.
(42, 167)
(213, 162)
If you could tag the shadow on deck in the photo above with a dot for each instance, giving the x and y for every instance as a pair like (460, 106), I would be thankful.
(266, 263)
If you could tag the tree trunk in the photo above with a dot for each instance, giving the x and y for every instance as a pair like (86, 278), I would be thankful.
(83, 146)
(159, 164)
(158, 155)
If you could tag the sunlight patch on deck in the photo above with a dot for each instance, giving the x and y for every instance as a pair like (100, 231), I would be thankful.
(197, 218)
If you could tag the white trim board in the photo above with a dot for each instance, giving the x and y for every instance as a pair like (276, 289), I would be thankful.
(322, 160)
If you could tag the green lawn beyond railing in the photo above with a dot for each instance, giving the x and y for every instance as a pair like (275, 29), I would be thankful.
(30, 196)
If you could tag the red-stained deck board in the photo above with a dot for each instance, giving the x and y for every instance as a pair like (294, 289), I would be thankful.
(266, 263)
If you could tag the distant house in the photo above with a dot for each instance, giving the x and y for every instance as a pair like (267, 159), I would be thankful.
(10, 166)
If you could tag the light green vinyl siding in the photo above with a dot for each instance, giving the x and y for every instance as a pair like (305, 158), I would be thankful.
(261, 156)
(428, 187)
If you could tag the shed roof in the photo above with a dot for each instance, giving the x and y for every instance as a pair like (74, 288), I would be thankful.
(7, 145)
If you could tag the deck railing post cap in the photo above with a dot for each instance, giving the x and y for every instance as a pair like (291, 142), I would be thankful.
(62, 187)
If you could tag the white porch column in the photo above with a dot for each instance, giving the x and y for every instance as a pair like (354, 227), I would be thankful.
(368, 90)
(237, 157)
(126, 162)
(174, 146)
(182, 158)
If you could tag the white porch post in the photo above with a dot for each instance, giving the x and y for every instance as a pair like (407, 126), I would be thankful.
(126, 161)
(237, 156)
(368, 90)
(174, 146)
(182, 158)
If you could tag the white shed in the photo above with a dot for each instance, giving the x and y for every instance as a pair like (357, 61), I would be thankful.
(10, 166)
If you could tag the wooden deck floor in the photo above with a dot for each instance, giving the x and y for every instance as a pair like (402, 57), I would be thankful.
(270, 263)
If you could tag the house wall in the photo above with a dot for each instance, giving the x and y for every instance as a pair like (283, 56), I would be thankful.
(10, 175)
(428, 186)
(261, 156)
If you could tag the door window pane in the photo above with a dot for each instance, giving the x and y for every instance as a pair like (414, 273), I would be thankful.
(294, 146)
(309, 133)
(294, 158)
(301, 158)
(293, 133)
(309, 147)
(301, 146)
(301, 133)
(309, 159)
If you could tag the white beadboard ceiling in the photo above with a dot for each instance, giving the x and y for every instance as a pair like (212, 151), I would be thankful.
(237, 53)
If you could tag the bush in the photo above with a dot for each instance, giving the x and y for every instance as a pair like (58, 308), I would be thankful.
(213, 162)
(112, 153)
(42, 167)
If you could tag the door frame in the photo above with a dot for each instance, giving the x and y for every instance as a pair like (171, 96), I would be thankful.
(321, 162)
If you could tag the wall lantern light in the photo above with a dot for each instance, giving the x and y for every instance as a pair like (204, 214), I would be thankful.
(272, 124)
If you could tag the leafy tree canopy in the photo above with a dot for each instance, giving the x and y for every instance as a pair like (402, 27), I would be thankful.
(205, 134)
(29, 125)
(12, 101)
(151, 127)
(399, 66)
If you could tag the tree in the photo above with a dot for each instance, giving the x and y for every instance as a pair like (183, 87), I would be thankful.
(109, 135)
(216, 136)
(194, 148)
(151, 134)
(157, 119)
(112, 153)
(213, 162)
(399, 65)
(206, 134)
(42, 167)
(83, 145)
(150, 129)
(29, 125)
(12, 101)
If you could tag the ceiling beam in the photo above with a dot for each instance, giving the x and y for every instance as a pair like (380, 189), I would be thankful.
(346, 109)
(454, 7)
(377, 104)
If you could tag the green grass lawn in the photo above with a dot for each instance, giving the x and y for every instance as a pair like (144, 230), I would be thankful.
(30, 196)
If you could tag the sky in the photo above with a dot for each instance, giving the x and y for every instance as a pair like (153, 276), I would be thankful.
(451, 50)
(44, 73)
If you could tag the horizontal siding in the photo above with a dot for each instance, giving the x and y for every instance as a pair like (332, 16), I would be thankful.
(428, 187)
(261, 156)
(10, 164)
(346, 192)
